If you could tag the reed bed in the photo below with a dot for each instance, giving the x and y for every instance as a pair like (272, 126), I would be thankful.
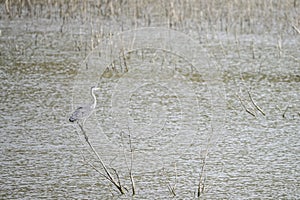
(245, 16)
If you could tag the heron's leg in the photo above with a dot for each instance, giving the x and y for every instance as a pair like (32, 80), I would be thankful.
(83, 131)
(85, 135)
(83, 121)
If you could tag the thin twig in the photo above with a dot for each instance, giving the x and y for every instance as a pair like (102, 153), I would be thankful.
(201, 181)
(97, 170)
(131, 165)
(172, 189)
(117, 175)
(255, 105)
(131, 162)
(296, 29)
(283, 114)
(124, 60)
(246, 109)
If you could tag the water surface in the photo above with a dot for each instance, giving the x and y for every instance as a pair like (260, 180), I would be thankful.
(165, 106)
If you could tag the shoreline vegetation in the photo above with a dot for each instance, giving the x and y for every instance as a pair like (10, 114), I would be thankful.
(238, 17)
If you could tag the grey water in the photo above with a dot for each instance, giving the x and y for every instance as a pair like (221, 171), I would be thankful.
(166, 112)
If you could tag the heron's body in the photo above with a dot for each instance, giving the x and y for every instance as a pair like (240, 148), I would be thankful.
(83, 112)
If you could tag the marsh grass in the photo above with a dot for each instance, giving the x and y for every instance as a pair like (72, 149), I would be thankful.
(229, 16)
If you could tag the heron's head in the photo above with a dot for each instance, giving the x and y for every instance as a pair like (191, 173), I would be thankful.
(94, 88)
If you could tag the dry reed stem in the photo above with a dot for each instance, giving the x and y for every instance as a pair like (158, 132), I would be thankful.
(172, 189)
(131, 164)
(201, 185)
(245, 108)
(130, 170)
(255, 105)
(296, 29)
(130, 167)
(285, 110)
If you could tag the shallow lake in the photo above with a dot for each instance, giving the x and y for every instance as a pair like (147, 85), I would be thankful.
(169, 104)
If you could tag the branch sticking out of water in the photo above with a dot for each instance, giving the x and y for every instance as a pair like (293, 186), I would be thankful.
(255, 105)
(246, 109)
(130, 170)
(201, 185)
(279, 45)
(107, 174)
(285, 110)
(131, 163)
(172, 189)
(124, 60)
(296, 29)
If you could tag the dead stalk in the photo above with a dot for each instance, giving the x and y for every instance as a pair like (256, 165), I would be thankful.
(255, 105)
(124, 60)
(296, 29)
(279, 45)
(172, 189)
(201, 185)
(252, 48)
(286, 109)
(108, 175)
(246, 109)
(7, 7)
(130, 169)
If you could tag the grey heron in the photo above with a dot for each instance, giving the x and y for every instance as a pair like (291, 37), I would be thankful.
(83, 112)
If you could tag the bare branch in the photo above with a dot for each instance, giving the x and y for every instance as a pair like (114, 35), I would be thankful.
(172, 189)
(283, 114)
(296, 29)
(131, 164)
(255, 105)
(108, 175)
(201, 185)
(246, 109)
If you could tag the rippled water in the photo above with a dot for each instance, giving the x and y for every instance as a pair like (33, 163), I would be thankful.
(166, 110)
